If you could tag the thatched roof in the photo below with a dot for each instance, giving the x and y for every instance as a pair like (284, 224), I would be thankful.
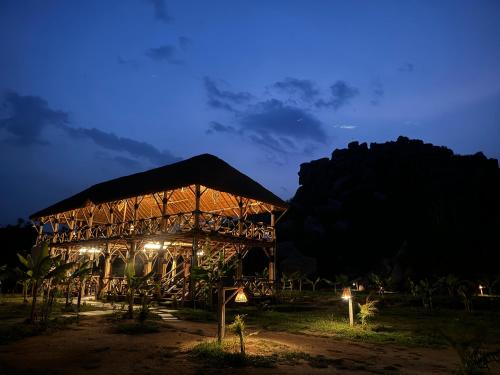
(205, 169)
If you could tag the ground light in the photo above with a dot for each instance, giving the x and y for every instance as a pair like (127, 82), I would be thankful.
(241, 297)
(347, 295)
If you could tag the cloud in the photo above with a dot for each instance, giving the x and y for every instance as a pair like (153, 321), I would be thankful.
(274, 117)
(348, 127)
(166, 53)
(224, 99)
(217, 127)
(303, 88)
(406, 67)
(378, 93)
(30, 115)
(160, 9)
(342, 94)
(278, 127)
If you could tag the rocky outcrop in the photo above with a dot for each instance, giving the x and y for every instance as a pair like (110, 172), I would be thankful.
(405, 205)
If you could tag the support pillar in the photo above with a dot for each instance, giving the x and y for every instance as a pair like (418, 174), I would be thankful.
(194, 249)
(148, 266)
(239, 264)
(272, 252)
(106, 275)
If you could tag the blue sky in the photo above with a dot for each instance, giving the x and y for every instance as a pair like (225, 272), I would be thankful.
(91, 90)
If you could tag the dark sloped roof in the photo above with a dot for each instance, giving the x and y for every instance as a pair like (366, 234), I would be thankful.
(205, 169)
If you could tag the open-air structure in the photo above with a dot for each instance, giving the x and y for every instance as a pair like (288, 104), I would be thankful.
(167, 219)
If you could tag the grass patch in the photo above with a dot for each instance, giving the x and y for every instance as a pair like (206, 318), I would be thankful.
(195, 315)
(218, 355)
(213, 354)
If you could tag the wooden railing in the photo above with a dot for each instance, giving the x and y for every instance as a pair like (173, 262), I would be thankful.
(168, 224)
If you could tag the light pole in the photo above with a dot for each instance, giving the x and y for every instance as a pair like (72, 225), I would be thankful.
(347, 295)
(222, 301)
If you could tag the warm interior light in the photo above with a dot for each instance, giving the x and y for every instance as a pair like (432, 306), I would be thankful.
(84, 250)
(346, 293)
(152, 246)
(200, 253)
(241, 297)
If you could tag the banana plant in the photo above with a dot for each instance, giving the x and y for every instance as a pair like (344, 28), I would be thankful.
(136, 284)
(54, 279)
(313, 283)
(37, 265)
(80, 275)
(211, 274)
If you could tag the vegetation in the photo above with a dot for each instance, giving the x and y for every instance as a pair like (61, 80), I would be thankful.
(367, 310)
(400, 319)
(220, 355)
(141, 285)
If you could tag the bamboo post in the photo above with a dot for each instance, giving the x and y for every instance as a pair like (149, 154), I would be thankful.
(351, 313)
(272, 257)
(194, 250)
(221, 312)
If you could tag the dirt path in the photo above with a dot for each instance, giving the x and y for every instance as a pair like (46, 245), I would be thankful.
(92, 348)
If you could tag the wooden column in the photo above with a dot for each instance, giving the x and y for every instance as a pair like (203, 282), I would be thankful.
(272, 251)
(174, 267)
(71, 225)
(194, 249)
(221, 312)
(109, 229)
(164, 211)
(148, 267)
(55, 228)
(161, 266)
(239, 260)
(106, 276)
(90, 221)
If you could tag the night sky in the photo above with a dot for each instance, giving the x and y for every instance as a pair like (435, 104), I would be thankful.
(92, 90)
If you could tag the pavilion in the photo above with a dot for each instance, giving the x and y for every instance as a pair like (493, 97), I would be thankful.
(168, 219)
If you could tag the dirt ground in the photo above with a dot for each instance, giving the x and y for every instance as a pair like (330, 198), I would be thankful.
(92, 348)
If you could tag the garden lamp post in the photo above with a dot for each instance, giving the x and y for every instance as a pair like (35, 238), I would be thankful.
(347, 295)
(240, 297)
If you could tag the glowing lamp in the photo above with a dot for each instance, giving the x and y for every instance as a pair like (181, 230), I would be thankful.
(481, 289)
(152, 246)
(91, 250)
(200, 253)
(241, 297)
(346, 293)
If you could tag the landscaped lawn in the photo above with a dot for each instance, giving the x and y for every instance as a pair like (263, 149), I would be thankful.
(397, 322)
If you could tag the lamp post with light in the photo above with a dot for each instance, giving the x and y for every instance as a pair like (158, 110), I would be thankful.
(240, 297)
(347, 295)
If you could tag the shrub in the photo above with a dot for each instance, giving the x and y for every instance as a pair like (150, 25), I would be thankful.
(367, 310)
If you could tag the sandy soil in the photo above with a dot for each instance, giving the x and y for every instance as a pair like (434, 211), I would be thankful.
(92, 348)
